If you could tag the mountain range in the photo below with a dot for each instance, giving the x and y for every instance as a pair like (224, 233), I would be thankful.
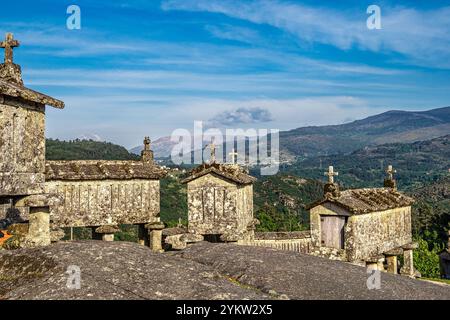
(388, 127)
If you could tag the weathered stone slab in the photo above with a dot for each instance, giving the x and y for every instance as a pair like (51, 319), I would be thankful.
(112, 271)
(300, 276)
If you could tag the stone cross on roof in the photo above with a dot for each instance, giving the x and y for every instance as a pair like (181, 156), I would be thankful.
(147, 142)
(9, 44)
(212, 148)
(147, 153)
(331, 174)
(233, 155)
(390, 171)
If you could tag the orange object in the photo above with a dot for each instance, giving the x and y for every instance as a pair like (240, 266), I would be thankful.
(5, 237)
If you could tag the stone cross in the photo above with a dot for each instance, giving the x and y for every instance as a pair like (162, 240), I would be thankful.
(212, 148)
(147, 142)
(9, 44)
(331, 174)
(233, 155)
(390, 171)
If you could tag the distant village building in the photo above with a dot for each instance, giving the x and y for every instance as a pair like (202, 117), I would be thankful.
(220, 201)
(22, 152)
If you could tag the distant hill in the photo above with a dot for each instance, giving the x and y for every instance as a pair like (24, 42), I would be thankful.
(432, 208)
(388, 127)
(86, 150)
(417, 164)
(161, 147)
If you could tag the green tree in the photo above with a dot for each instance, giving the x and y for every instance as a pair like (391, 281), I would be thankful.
(426, 258)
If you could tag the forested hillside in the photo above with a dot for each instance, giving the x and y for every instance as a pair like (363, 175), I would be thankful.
(86, 150)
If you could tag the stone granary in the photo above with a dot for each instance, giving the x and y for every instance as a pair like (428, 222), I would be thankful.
(104, 194)
(22, 151)
(367, 225)
(36, 196)
(220, 202)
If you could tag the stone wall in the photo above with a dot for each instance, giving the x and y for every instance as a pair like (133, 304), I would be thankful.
(22, 147)
(105, 202)
(372, 234)
(297, 245)
(298, 241)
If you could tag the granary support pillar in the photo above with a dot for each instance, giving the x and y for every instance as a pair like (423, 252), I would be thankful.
(392, 264)
(392, 261)
(408, 260)
(143, 235)
(375, 263)
(39, 227)
(38, 218)
(105, 233)
(155, 233)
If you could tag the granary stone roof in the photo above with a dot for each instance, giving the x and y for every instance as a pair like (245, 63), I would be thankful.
(18, 91)
(102, 170)
(11, 83)
(366, 200)
(230, 172)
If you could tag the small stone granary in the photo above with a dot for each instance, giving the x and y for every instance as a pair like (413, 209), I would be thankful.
(22, 152)
(104, 194)
(220, 202)
(368, 225)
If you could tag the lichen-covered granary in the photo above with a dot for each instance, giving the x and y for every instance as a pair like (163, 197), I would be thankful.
(220, 202)
(370, 225)
(38, 196)
(105, 194)
(22, 151)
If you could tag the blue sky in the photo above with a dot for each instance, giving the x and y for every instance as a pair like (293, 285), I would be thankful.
(148, 67)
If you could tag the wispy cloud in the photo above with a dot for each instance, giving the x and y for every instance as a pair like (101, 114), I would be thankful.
(419, 35)
(235, 33)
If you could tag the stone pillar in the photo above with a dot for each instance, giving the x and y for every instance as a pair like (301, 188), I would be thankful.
(408, 260)
(408, 263)
(370, 265)
(39, 227)
(143, 236)
(39, 218)
(380, 264)
(375, 263)
(392, 261)
(391, 264)
(155, 232)
(104, 233)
